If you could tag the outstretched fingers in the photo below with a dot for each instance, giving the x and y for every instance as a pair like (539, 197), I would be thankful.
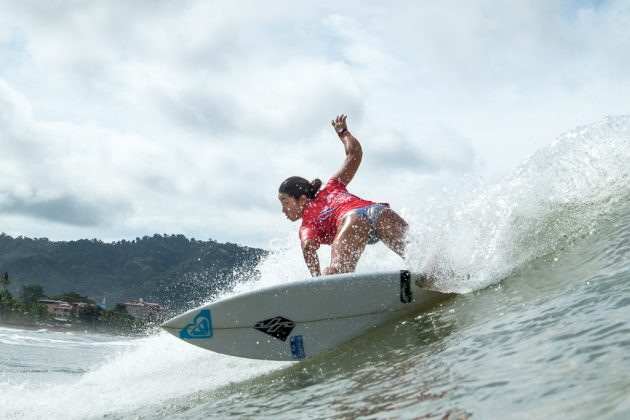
(340, 121)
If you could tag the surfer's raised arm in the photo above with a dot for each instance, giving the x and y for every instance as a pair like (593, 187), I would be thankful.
(333, 216)
(354, 153)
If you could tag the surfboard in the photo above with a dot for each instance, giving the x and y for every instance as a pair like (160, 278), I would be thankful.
(302, 319)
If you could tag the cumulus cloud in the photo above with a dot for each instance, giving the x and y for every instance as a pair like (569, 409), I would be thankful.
(64, 209)
(129, 118)
(49, 171)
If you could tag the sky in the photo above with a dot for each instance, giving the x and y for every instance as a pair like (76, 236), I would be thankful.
(123, 119)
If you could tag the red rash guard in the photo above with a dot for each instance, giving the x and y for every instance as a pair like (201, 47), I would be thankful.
(322, 214)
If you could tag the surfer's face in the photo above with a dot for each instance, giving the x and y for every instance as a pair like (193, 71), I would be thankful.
(291, 207)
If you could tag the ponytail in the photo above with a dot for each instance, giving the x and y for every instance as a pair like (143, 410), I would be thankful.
(296, 187)
(316, 184)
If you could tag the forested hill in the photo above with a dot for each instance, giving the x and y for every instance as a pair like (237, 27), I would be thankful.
(170, 269)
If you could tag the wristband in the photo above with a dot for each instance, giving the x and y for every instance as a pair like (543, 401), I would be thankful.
(342, 131)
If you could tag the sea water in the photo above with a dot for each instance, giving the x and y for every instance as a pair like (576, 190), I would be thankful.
(540, 326)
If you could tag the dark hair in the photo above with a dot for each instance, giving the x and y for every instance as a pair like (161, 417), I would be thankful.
(296, 187)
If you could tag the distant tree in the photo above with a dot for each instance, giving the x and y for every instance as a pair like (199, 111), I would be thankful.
(117, 317)
(31, 293)
(37, 312)
(120, 307)
(72, 297)
(5, 281)
(89, 313)
(6, 301)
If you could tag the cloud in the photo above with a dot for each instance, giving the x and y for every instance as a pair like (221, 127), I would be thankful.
(45, 177)
(441, 149)
(67, 210)
(184, 117)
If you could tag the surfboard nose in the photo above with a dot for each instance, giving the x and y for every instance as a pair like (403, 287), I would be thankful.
(170, 324)
(176, 323)
(191, 325)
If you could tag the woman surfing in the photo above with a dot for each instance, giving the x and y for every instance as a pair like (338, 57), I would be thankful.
(332, 216)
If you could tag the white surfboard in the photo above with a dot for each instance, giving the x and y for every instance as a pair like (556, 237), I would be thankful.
(298, 320)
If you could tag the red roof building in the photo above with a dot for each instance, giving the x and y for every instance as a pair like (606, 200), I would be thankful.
(139, 308)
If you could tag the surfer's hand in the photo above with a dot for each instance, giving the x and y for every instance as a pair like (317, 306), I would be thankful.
(339, 123)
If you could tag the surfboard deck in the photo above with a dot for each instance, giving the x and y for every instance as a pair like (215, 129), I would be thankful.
(302, 319)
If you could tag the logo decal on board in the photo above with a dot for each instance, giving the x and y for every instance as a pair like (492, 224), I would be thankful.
(277, 327)
(405, 286)
(297, 347)
(201, 327)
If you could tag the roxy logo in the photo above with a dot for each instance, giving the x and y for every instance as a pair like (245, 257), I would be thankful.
(201, 327)
(277, 327)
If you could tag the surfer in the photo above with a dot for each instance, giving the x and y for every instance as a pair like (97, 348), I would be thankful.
(333, 216)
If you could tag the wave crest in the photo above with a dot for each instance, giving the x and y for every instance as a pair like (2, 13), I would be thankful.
(557, 195)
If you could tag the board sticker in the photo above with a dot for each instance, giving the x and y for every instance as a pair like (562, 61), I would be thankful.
(201, 327)
(405, 286)
(297, 347)
(277, 327)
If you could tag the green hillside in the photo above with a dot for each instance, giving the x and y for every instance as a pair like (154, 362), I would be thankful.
(171, 269)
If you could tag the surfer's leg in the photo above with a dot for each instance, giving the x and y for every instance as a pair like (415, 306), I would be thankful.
(391, 229)
(349, 243)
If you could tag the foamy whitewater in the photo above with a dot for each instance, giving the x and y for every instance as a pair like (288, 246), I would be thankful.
(541, 325)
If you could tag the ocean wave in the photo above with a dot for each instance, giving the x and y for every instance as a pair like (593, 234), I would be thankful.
(559, 194)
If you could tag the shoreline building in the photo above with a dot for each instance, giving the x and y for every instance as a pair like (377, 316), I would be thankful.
(139, 308)
(60, 310)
